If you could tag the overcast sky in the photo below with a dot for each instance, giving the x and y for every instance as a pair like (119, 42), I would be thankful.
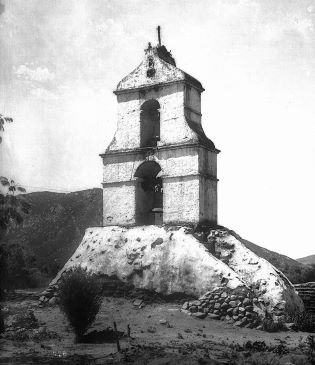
(61, 59)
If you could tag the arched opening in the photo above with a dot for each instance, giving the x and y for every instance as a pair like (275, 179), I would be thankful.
(150, 123)
(149, 194)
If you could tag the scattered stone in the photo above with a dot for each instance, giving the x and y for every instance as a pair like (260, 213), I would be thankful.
(199, 315)
(180, 336)
(151, 329)
(163, 321)
(52, 301)
(213, 316)
(137, 302)
(289, 326)
(195, 303)
(186, 311)
(246, 302)
(193, 309)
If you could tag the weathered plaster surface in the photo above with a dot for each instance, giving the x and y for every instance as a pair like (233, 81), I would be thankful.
(154, 258)
(119, 204)
(181, 202)
(174, 127)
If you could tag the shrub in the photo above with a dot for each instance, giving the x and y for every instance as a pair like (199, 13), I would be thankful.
(269, 325)
(2, 327)
(303, 321)
(80, 294)
(26, 320)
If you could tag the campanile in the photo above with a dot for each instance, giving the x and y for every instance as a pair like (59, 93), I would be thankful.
(160, 167)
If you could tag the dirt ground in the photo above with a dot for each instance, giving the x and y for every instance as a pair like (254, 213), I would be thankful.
(159, 334)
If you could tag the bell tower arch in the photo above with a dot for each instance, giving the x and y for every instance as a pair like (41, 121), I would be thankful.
(149, 194)
(150, 123)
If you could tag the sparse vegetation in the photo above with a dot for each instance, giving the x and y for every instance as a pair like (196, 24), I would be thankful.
(269, 325)
(303, 321)
(1, 321)
(80, 294)
(311, 348)
(25, 320)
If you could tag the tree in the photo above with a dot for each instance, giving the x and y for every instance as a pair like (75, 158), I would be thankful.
(12, 209)
(11, 206)
(4, 120)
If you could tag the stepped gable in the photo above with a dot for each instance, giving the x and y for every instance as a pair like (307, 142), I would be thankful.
(158, 69)
(163, 70)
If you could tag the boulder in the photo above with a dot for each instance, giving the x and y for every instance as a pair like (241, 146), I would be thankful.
(199, 315)
(178, 264)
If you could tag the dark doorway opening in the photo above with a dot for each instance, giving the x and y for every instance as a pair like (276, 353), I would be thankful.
(149, 194)
(150, 123)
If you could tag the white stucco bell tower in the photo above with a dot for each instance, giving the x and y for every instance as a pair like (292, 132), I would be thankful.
(160, 167)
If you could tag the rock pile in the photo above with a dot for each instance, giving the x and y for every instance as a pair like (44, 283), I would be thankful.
(235, 306)
(49, 296)
(259, 275)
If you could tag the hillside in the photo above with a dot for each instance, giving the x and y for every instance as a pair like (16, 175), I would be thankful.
(308, 260)
(54, 228)
(56, 225)
(296, 271)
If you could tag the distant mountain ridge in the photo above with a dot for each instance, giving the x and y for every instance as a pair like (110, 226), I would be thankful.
(57, 222)
(307, 260)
